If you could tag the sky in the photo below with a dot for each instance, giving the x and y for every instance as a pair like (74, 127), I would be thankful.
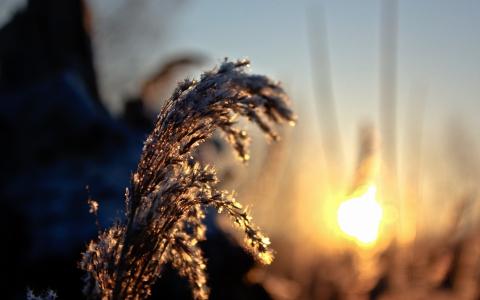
(438, 54)
(438, 49)
(438, 63)
(438, 42)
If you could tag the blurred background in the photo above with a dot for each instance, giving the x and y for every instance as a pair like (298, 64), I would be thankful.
(373, 195)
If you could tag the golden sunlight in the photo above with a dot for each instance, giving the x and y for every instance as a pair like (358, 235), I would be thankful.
(360, 217)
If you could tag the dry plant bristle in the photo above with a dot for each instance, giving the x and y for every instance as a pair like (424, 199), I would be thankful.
(171, 189)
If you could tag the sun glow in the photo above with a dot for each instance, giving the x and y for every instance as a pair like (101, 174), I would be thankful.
(360, 217)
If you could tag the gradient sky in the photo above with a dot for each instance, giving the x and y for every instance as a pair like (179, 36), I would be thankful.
(438, 61)
(438, 49)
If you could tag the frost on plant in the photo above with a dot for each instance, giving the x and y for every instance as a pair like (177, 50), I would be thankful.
(170, 189)
(48, 295)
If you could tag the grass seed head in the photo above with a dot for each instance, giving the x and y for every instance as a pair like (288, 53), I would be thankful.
(170, 189)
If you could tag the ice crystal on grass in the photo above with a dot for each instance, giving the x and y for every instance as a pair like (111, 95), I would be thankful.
(171, 189)
(48, 295)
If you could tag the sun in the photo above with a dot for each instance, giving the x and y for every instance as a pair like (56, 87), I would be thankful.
(360, 217)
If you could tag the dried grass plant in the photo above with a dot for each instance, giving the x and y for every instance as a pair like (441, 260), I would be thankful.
(165, 205)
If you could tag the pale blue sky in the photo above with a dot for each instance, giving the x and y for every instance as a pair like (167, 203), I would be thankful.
(438, 51)
(438, 46)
